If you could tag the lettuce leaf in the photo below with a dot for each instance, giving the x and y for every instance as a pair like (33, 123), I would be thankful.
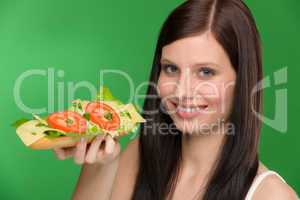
(105, 94)
(53, 134)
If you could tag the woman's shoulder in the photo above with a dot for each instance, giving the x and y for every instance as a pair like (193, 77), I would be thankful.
(269, 185)
(127, 172)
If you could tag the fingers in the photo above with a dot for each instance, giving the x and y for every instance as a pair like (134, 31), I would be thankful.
(64, 153)
(79, 154)
(60, 154)
(111, 149)
(109, 144)
(94, 153)
(94, 148)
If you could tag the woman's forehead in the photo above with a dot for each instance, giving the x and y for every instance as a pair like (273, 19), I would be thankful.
(202, 48)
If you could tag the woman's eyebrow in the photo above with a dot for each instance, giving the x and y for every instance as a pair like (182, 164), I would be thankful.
(206, 64)
(165, 60)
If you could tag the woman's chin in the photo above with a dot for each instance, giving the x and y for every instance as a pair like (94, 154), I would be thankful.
(189, 128)
(194, 126)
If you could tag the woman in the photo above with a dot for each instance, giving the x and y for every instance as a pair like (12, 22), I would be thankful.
(206, 64)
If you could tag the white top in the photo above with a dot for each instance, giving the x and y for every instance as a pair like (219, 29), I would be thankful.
(257, 180)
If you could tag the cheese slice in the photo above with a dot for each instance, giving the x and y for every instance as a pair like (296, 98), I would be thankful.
(126, 122)
(135, 116)
(30, 133)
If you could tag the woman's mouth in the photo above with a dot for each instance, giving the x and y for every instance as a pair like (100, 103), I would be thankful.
(189, 111)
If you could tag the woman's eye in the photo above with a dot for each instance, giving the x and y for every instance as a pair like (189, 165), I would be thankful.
(205, 71)
(169, 69)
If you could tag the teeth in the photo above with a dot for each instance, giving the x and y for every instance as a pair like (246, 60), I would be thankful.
(194, 109)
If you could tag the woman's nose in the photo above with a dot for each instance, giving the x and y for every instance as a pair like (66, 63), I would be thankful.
(185, 85)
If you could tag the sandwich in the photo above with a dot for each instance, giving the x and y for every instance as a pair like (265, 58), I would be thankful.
(104, 115)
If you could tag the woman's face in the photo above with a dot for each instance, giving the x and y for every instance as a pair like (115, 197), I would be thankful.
(196, 83)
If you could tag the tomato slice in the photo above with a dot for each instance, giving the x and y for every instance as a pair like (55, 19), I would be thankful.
(67, 121)
(103, 115)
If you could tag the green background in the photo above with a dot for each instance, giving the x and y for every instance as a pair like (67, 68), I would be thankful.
(83, 37)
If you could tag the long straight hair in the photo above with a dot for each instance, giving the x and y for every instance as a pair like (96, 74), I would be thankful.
(233, 26)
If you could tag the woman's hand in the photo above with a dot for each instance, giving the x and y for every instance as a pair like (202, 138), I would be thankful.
(102, 150)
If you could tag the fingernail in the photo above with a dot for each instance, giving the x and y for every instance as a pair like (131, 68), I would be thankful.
(82, 139)
(99, 137)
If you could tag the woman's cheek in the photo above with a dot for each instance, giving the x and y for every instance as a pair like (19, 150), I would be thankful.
(166, 88)
(228, 102)
(221, 105)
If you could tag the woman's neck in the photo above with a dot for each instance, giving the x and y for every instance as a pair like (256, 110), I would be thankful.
(199, 153)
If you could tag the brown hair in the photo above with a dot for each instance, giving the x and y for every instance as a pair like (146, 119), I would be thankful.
(232, 24)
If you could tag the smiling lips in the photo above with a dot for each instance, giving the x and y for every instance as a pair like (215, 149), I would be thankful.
(189, 111)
